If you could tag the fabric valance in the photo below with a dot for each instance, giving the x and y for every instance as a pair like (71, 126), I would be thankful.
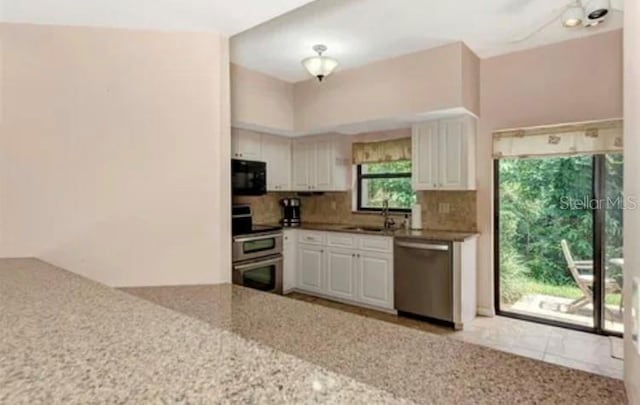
(380, 152)
(559, 140)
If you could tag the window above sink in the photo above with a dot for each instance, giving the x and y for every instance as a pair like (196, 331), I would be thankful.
(377, 182)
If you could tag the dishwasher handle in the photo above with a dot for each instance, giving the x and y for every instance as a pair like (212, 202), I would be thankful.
(423, 246)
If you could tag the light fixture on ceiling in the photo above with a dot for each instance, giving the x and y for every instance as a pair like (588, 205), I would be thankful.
(573, 16)
(320, 66)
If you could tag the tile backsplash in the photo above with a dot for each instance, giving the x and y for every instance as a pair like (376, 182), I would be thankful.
(441, 210)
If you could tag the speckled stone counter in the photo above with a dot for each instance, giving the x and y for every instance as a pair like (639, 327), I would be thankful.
(425, 234)
(65, 339)
(412, 364)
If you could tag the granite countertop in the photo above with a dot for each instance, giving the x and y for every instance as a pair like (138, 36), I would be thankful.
(448, 236)
(414, 364)
(66, 339)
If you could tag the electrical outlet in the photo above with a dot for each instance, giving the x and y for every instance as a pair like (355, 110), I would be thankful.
(444, 208)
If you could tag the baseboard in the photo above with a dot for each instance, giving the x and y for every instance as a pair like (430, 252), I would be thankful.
(486, 311)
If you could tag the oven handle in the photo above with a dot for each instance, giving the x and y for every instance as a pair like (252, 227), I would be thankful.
(257, 264)
(254, 238)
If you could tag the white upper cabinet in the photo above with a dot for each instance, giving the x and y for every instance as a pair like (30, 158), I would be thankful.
(304, 158)
(246, 144)
(324, 165)
(443, 154)
(424, 167)
(321, 164)
(453, 146)
(276, 152)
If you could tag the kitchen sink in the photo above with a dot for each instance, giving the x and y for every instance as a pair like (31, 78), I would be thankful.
(365, 229)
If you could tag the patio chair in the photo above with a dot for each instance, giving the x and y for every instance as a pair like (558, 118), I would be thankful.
(582, 273)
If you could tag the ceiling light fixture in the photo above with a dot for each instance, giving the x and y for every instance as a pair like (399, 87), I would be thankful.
(573, 16)
(320, 66)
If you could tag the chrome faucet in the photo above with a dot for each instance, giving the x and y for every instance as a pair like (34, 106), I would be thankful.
(388, 222)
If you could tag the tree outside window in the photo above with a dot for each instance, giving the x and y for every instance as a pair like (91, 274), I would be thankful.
(390, 181)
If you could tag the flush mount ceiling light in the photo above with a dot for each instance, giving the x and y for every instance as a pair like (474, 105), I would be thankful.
(573, 16)
(320, 66)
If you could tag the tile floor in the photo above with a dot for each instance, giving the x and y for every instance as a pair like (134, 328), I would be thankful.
(579, 350)
(555, 308)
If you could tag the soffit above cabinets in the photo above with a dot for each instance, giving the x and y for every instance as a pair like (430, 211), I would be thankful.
(222, 16)
(388, 124)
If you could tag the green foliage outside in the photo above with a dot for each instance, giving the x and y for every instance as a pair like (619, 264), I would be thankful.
(534, 218)
(397, 190)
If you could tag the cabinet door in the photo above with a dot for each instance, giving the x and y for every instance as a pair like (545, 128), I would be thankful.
(324, 166)
(424, 151)
(246, 144)
(303, 171)
(375, 279)
(310, 268)
(453, 154)
(276, 152)
(289, 257)
(341, 273)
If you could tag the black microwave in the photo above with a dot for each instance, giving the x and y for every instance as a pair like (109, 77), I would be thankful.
(248, 177)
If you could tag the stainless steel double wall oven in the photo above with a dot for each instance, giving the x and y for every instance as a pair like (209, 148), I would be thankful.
(257, 252)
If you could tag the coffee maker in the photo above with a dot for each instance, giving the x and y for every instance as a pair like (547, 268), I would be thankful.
(290, 212)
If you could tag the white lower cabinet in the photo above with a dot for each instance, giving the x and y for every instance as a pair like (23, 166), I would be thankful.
(310, 268)
(341, 273)
(375, 272)
(363, 274)
(289, 254)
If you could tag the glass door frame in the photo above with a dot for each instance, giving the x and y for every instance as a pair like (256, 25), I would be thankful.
(599, 194)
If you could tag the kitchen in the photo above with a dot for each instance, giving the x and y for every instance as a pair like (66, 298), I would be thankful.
(366, 258)
(284, 202)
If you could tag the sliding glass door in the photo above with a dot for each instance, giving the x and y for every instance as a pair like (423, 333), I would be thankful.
(559, 240)
(612, 239)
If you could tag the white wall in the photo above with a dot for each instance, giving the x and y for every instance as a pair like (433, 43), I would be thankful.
(631, 186)
(114, 153)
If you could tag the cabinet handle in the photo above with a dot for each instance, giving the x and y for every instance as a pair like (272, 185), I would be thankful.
(358, 255)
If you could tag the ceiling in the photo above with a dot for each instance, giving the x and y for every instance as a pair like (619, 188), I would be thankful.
(358, 32)
(225, 16)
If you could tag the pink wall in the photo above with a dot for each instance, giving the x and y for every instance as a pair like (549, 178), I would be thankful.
(631, 186)
(577, 80)
(260, 101)
(114, 153)
(421, 82)
(470, 80)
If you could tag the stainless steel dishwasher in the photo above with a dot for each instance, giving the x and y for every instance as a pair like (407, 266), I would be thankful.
(423, 278)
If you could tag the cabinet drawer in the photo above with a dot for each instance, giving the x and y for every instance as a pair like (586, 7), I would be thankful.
(311, 237)
(336, 239)
(375, 243)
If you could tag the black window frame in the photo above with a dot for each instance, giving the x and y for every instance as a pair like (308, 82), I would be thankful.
(361, 176)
